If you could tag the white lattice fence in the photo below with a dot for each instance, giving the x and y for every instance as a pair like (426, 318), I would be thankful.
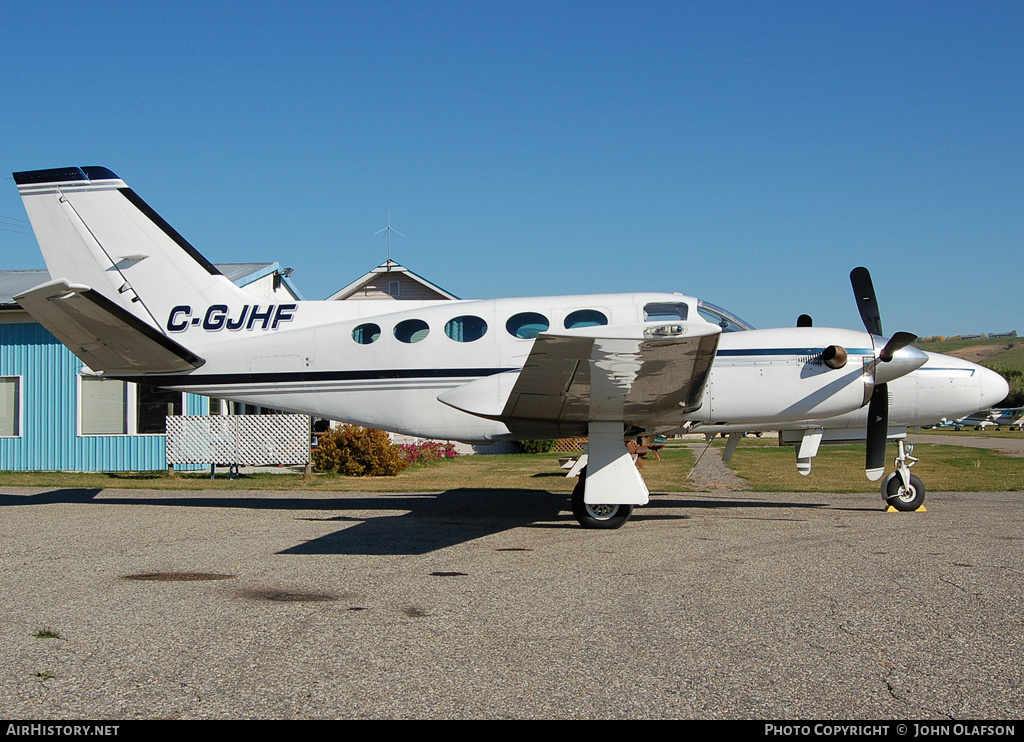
(243, 440)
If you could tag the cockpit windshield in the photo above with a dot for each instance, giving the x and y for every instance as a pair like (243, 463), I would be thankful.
(728, 321)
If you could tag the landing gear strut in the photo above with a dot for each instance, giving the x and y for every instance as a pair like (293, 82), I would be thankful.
(901, 489)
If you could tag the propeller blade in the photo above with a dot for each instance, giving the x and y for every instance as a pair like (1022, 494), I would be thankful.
(896, 342)
(867, 303)
(878, 431)
(878, 406)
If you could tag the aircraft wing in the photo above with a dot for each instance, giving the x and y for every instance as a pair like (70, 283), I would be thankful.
(102, 334)
(643, 375)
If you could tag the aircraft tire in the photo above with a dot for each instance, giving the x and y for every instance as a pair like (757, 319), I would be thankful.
(907, 501)
(597, 516)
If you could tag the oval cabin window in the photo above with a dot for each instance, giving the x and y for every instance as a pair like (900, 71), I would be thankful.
(585, 318)
(526, 325)
(366, 334)
(465, 329)
(411, 330)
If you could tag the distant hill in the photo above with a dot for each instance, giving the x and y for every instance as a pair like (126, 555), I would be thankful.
(992, 352)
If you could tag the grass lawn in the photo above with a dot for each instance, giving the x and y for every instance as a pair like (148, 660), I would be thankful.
(766, 466)
(512, 471)
(841, 469)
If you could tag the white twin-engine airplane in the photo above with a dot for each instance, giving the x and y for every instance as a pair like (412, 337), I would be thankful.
(134, 300)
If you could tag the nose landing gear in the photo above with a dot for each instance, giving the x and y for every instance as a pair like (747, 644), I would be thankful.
(901, 489)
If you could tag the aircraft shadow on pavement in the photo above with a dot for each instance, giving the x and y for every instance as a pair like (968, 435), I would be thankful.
(457, 516)
(431, 521)
(436, 521)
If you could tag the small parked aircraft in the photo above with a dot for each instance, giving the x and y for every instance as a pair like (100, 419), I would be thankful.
(980, 420)
(1012, 417)
(134, 300)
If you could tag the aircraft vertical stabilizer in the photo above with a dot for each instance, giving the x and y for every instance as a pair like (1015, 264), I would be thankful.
(94, 230)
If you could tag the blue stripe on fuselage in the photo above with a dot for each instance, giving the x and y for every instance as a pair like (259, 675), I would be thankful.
(786, 352)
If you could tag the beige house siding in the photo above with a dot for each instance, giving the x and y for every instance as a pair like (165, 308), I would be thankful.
(395, 286)
(391, 281)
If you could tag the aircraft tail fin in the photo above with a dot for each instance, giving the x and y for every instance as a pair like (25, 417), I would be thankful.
(95, 231)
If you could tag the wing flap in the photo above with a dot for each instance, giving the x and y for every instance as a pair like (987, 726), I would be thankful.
(641, 375)
(105, 336)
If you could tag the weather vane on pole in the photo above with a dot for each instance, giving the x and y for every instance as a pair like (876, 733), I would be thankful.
(389, 229)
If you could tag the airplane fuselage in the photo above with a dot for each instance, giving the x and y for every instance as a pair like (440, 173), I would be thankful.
(384, 366)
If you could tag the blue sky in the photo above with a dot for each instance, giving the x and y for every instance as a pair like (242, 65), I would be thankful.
(749, 153)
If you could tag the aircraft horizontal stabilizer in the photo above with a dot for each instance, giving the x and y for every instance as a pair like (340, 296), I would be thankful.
(638, 374)
(105, 336)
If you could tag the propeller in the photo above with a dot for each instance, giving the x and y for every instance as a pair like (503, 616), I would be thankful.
(878, 404)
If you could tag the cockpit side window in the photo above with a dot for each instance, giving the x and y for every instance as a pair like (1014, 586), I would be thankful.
(665, 311)
(728, 321)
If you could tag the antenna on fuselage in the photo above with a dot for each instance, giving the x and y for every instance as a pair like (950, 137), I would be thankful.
(389, 229)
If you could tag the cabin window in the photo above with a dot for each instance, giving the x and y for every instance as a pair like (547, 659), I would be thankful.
(585, 318)
(366, 333)
(411, 330)
(526, 325)
(668, 311)
(10, 406)
(465, 329)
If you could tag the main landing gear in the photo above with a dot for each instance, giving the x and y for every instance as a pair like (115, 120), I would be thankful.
(609, 484)
(901, 489)
(597, 516)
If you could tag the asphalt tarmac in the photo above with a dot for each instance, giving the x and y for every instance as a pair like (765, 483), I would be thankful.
(493, 604)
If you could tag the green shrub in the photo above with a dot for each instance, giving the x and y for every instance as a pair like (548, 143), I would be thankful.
(539, 446)
(358, 452)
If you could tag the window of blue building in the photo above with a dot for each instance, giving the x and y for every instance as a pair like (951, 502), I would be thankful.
(10, 406)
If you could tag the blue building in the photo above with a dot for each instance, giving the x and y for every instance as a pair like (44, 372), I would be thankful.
(54, 417)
